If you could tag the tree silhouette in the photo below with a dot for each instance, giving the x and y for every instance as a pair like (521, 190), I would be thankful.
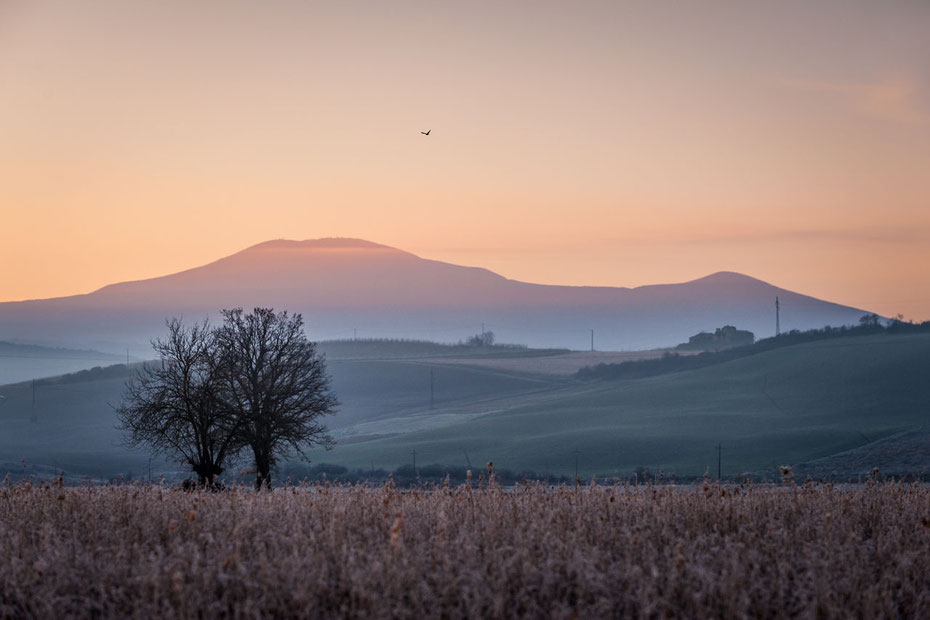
(175, 407)
(484, 339)
(869, 320)
(276, 382)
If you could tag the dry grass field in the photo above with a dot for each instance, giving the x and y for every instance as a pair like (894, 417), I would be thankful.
(589, 551)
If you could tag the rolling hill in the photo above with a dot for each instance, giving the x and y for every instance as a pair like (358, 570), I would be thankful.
(784, 406)
(68, 422)
(837, 406)
(20, 362)
(341, 285)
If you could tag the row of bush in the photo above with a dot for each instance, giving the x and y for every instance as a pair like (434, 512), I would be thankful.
(408, 475)
(673, 362)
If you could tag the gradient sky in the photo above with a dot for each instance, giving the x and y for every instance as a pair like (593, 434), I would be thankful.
(611, 143)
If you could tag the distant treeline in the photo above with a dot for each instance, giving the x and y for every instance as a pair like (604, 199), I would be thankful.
(97, 373)
(12, 349)
(673, 362)
(413, 342)
(402, 347)
(407, 475)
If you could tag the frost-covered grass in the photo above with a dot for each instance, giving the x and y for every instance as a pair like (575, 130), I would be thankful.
(589, 551)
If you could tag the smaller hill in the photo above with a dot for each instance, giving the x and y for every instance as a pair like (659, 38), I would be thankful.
(785, 405)
(67, 422)
(23, 362)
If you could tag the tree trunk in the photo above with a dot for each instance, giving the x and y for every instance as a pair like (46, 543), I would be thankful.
(262, 470)
(207, 474)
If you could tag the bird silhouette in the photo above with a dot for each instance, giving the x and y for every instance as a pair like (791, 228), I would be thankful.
(426, 133)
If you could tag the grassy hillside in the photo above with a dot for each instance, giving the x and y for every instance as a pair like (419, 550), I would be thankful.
(21, 362)
(905, 453)
(784, 406)
(75, 426)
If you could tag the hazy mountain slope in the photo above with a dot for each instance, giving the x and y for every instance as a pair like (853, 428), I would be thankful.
(343, 284)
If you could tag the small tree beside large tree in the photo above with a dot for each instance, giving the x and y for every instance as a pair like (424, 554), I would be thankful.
(254, 382)
(175, 405)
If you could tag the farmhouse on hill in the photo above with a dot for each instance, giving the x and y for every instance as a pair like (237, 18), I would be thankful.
(726, 337)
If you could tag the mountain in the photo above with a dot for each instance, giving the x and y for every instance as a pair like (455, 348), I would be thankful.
(342, 285)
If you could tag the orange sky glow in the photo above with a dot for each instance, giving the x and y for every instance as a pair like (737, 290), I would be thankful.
(608, 143)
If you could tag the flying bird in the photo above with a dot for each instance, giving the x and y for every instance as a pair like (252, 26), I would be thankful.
(426, 133)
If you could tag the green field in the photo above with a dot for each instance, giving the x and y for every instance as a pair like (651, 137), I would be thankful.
(74, 430)
(21, 362)
(786, 406)
(780, 407)
(75, 426)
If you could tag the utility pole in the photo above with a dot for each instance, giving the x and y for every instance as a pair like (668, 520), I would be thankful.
(592, 340)
(777, 318)
(576, 463)
(719, 449)
(354, 333)
(432, 390)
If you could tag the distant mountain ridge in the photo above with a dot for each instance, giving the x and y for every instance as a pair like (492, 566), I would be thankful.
(347, 286)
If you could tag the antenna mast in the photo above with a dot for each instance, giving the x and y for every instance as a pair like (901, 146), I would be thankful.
(777, 318)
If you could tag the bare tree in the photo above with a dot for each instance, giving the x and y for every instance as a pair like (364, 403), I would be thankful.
(175, 407)
(277, 383)
(484, 339)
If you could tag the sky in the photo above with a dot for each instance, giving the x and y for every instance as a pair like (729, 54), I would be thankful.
(590, 143)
